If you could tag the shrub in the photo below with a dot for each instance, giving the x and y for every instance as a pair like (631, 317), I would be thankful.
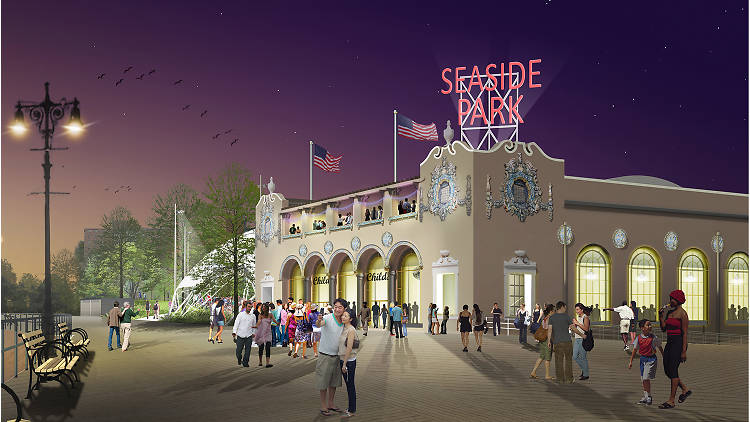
(193, 316)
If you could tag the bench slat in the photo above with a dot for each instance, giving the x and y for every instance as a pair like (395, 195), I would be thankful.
(31, 334)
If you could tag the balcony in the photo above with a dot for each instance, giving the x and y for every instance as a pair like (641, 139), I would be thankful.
(339, 228)
(402, 217)
(292, 236)
(370, 223)
(312, 232)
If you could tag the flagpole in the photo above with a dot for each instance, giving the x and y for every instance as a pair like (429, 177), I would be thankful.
(311, 162)
(395, 112)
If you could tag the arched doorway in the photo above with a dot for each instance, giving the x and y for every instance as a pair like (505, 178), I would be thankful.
(293, 281)
(320, 286)
(297, 284)
(375, 277)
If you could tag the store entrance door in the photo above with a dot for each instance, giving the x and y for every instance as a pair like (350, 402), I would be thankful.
(519, 285)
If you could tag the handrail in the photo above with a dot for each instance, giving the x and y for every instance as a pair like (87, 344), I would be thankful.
(344, 227)
(291, 236)
(370, 223)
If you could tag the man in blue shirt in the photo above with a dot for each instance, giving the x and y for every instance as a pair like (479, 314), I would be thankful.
(396, 314)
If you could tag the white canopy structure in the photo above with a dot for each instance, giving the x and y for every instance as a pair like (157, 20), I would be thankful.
(192, 293)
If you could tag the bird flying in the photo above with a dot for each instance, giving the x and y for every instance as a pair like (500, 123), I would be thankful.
(141, 76)
(101, 75)
(152, 71)
(177, 82)
(127, 69)
(186, 107)
(234, 142)
(216, 136)
(204, 113)
(119, 82)
(227, 131)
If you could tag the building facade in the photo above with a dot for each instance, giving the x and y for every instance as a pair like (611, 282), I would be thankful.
(508, 226)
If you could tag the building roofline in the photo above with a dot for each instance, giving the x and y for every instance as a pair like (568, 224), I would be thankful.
(617, 182)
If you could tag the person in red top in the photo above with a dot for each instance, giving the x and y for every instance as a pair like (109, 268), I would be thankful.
(646, 344)
(674, 320)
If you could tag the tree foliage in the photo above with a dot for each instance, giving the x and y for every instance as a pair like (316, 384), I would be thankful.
(231, 197)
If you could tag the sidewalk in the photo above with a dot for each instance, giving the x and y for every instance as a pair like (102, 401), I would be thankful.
(172, 373)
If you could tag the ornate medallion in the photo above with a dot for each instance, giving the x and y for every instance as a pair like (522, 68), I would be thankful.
(387, 239)
(620, 238)
(670, 241)
(442, 198)
(328, 247)
(356, 243)
(717, 243)
(268, 228)
(303, 250)
(521, 195)
(565, 235)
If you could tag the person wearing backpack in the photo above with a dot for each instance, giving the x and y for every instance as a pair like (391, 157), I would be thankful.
(545, 348)
(583, 322)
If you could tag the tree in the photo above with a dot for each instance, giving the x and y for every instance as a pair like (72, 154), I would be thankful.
(65, 266)
(231, 198)
(9, 287)
(162, 223)
(81, 262)
(113, 253)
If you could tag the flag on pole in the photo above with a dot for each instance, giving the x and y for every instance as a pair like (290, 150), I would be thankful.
(409, 129)
(325, 161)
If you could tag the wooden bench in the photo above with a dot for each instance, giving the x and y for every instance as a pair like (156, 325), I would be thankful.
(77, 345)
(50, 361)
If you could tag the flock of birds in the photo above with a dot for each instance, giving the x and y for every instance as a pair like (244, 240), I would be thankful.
(177, 82)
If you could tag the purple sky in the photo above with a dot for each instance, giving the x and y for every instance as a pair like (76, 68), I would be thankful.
(641, 89)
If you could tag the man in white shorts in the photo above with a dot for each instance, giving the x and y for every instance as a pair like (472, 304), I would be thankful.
(626, 314)
(328, 367)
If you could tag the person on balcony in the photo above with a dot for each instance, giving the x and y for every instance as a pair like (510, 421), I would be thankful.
(400, 207)
(367, 214)
(348, 219)
(341, 222)
(413, 205)
(407, 207)
(292, 230)
(380, 212)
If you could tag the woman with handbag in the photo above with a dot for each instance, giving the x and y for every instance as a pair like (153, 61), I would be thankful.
(478, 319)
(536, 319)
(404, 317)
(545, 349)
(304, 329)
(435, 322)
(348, 348)
(464, 319)
(291, 328)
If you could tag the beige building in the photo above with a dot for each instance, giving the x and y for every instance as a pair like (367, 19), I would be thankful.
(508, 226)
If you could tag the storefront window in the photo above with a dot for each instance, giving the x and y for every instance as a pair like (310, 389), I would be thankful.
(643, 282)
(320, 285)
(692, 276)
(376, 282)
(297, 284)
(515, 292)
(737, 285)
(592, 281)
(407, 283)
(347, 282)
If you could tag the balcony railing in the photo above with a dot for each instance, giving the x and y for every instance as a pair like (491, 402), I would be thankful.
(370, 223)
(344, 227)
(292, 236)
(312, 232)
(402, 217)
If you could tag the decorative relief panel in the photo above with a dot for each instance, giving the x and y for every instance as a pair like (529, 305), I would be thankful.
(356, 243)
(565, 234)
(442, 198)
(268, 227)
(670, 241)
(521, 195)
(328, 247)
(303, 250)
(620, 238)
(387, 239)
(717, 243)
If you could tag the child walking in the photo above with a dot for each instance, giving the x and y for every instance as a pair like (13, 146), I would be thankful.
(646, 344)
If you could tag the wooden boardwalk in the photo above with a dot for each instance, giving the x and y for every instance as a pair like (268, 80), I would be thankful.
(172, 374)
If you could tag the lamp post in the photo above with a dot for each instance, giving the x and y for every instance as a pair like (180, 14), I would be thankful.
(176, 212)
(46, 115)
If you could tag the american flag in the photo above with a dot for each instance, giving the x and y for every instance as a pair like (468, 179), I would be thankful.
(325, 161)
(409, 129)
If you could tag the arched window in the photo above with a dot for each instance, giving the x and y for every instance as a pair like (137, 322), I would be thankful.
(592, 280)
(643, 281)
(737, 288)
(693, 280)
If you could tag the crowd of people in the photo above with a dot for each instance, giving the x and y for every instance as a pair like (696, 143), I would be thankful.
(345, 220)
(376, 214)
(404, 207)
(330, 331)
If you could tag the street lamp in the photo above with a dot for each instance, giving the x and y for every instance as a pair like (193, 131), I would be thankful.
(176, 212)
(46, 115)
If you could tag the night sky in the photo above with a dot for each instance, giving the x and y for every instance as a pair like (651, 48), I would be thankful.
(649, 88)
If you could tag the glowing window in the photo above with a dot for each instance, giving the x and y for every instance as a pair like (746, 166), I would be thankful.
(737, 285)
(643, 281)
(592, 280)
(693, 281)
